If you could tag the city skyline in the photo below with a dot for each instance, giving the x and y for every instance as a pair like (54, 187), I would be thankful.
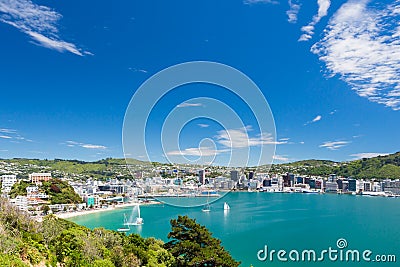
(329, 72)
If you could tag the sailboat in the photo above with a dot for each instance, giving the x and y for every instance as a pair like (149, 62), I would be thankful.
(124, 229)
(133, 219)
(226, 206)
(206, 207)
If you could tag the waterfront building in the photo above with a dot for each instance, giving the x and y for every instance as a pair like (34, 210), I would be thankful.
(312, 183)
(38, 178)
(352, 185)
(392, 186)
(331, 187)
(332, 178)
(7, 181)
(367, 186)
(340, 184)
(345, 186)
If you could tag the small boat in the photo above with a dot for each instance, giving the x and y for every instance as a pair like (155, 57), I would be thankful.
(124, 229)
(226, 206)
(206, 208)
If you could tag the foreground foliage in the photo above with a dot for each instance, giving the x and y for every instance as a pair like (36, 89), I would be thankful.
(57, 242)
(193, 245)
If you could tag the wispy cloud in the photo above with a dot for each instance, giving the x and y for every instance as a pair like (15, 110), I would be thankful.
(294, 8)
(137, 70)
(317, 118)
(332, 112)
(334, 145)
(362, 46)
(251, 2)
(37, 21)
(282, 158)
(367, 155)
(239, 138)
(83, 145)
(196, 151)
(185, 105)
(308, 30)
(202, 125)
(13, 134)
(8, 131)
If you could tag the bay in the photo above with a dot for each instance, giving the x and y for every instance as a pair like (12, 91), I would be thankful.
(282, 222)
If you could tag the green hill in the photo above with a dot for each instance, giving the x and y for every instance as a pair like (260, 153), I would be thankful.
(381, 167)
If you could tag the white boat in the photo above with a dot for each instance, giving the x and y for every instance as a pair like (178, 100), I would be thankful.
(124, 229)
(135, 218)
(206, 208)
(226, 206)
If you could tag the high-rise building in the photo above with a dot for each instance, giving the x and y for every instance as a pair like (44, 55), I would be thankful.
(235, 175)
(202, 176)
(251, 175)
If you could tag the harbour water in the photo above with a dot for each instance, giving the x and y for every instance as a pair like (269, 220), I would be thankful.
(282, 222)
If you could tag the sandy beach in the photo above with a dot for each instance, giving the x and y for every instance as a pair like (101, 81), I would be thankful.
(66, 215)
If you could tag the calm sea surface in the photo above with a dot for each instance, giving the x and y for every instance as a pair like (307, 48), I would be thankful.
(281, 221)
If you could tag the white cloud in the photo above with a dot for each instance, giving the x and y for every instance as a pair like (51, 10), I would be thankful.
(317, 118)
(302, 143)
(83, 145)
(334, 145)
(239, 138)
(280, 158)
(195, 151)
(308, 30)
(368, 155)
(185, 105)
(5, 137)
(362, 46)
(294, 8)
(90, 146)
(37, 21)
(202, 125)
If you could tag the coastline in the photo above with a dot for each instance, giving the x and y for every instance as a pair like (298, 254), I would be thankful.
(67, 215)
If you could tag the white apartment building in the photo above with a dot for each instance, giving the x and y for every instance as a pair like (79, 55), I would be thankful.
(7, 181)
(21, 202)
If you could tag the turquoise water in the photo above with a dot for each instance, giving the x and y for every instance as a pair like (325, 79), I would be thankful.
(281, 221)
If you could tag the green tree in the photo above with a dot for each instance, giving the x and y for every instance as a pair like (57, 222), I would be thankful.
(193, 245)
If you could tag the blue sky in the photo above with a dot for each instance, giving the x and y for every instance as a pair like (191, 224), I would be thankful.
(329, 71)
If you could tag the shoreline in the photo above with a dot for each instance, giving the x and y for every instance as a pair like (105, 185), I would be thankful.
(67, 215)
